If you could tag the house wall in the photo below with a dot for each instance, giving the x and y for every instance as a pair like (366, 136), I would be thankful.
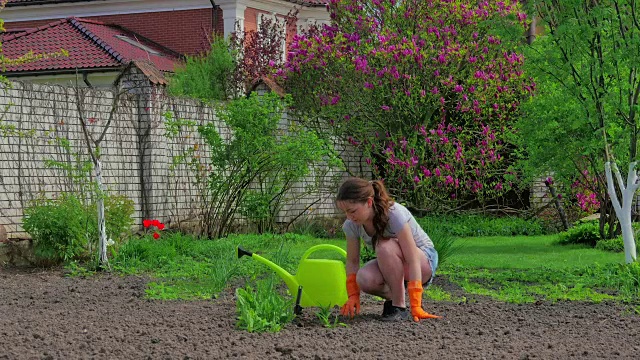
(136, 154)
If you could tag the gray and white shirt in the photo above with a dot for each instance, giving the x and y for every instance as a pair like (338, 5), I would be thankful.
(398, 216)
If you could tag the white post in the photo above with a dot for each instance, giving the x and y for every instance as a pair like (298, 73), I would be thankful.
(232, 13)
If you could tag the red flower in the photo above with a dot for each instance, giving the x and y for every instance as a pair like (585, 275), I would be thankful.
(160, 226)
(156, 235)
(146, 223)
(155, 222)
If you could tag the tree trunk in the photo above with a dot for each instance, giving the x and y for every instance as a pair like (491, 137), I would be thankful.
(102, 228)
(561, 213)
(623, 212)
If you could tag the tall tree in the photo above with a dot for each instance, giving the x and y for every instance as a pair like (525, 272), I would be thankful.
(584, 119)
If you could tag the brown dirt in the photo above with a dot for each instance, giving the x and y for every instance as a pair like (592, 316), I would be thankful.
(44, 315)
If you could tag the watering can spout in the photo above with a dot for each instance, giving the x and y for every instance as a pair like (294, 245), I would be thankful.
(288, 279)
(242, 252)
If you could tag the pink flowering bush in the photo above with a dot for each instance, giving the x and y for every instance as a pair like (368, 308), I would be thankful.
(427, 90)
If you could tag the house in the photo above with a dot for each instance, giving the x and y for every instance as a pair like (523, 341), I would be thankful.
(97, 53)
(160, 31)
(184, 26)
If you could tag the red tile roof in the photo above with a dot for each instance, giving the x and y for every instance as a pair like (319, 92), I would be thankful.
(310, 3)
(91, 45)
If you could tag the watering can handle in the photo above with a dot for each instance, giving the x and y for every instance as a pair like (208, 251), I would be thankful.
(323, 247)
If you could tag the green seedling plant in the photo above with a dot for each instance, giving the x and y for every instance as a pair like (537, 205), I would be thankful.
(436, 293)
(324, 314)
(263, 309)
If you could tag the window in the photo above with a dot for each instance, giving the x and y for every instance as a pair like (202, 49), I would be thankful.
(137, 44)
(280, 25)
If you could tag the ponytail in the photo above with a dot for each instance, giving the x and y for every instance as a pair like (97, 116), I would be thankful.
(381, 204)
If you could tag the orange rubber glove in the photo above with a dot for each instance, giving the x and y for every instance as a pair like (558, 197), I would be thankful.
(415, 299)
(352, 306)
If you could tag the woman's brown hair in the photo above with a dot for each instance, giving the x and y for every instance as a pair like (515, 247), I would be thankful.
(358, 190)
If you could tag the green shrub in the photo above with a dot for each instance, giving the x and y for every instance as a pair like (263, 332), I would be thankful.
(58, 228)
(254, 171)
(118, 213)
(66, 229)
(587, 233)
(611, 245)
(476, 225)
(206, 77)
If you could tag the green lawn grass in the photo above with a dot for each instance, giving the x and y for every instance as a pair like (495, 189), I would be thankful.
(524, 269)
(527, 252)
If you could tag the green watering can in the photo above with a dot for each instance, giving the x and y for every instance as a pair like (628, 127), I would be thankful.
(317, 283)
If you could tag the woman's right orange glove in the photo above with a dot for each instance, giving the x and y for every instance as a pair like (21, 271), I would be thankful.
(352, 306)
(415, 299)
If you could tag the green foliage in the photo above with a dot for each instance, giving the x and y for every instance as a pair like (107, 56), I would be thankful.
(584, 65)
(617, 244)
(58, 228)
(515, 269)
(445, 244)
(206, 77)
(587, 233)
(185, 267)
(76, 168)
(477, 225)
(74, 269)
(262, 309)
(66, 229)
(253, 172)
(528, 269)
(118, 216)
(182, 267)
(593, 283)
(437, 293)
(366, 254)
(612, 245)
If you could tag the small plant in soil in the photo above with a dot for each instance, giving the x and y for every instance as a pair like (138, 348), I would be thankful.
(325, 313)
(437, 293)
(262, 309)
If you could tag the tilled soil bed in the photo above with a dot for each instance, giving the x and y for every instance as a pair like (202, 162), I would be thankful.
(44, 315)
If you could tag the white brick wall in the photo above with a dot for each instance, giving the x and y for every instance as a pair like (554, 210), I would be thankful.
(134, 148)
